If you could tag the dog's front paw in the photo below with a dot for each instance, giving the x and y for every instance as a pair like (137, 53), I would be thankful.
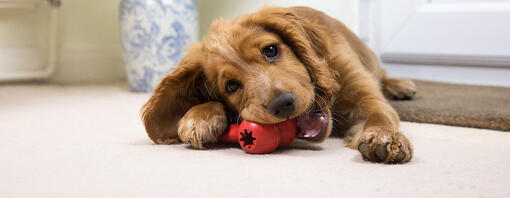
(202, 124)
(383, 145)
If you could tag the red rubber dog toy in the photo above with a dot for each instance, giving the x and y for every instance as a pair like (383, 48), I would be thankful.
(261, 138)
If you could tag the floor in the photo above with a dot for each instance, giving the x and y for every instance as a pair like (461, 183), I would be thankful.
(458, 105)
(88, 141)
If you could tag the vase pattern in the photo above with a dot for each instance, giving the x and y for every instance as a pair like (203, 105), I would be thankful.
(155, 34)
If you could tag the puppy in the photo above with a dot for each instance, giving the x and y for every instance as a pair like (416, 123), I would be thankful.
(279, 64)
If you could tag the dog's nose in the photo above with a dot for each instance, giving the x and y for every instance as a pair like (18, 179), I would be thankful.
(282, 106)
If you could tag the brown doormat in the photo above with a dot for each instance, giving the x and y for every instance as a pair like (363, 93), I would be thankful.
(459, 105)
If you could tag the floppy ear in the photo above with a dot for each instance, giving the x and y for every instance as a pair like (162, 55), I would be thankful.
(177, 92)
(307, 39)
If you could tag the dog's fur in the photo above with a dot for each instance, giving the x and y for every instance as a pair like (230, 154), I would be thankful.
(321, 62)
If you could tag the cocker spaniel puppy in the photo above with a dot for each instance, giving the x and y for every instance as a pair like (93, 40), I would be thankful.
(279, 64)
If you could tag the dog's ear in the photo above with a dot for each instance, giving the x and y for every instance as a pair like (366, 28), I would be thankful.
(307, 39)
(177, 92)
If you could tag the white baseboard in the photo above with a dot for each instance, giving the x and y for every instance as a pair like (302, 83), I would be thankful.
(492, 76)
(446, 59)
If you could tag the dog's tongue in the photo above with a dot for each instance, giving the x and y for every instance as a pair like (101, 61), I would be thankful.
(312, 125)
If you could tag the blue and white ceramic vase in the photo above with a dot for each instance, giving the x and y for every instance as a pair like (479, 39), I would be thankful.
(154, 35)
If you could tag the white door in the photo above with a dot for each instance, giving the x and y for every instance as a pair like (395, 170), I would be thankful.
(463, 41)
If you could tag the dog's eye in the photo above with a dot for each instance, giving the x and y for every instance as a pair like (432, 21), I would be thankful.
(270, 53)
(232, 86)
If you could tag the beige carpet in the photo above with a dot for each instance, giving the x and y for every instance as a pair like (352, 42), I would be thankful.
(460, 105)
(88, 141)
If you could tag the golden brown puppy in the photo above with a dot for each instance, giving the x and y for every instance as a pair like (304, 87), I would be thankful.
(276, 64)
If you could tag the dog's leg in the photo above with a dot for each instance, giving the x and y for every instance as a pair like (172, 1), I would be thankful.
(375, 128)
(203, 123)
(378, 138)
